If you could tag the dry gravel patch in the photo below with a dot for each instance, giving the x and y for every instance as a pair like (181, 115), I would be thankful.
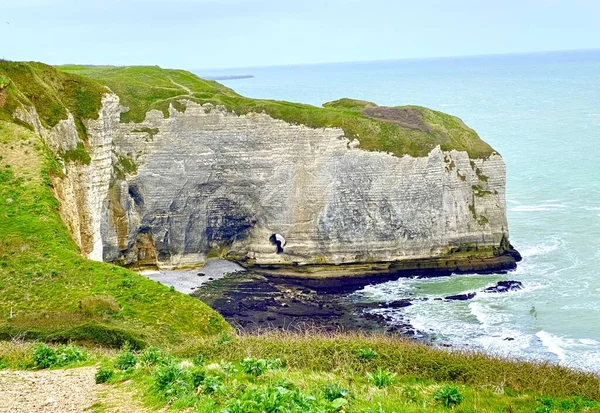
(64, 391)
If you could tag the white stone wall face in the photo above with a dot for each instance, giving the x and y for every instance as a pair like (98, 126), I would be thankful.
(208, 179)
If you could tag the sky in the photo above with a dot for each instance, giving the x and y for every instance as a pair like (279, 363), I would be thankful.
(202, 34)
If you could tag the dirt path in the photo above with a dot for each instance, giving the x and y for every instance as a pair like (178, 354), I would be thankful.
(65, 391)
(187, 89)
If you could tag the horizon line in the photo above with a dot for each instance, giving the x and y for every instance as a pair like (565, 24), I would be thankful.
(399, 59)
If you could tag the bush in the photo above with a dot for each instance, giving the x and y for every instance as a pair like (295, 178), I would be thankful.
(44, 356)
(211, 384)
(382, 378)
(449, 396)
(125, 361)
(280, 400)
(197, 376)
(69, 354)
(257, 367)
(103, 375)
(366, 354)
(173, 380)
(153, 356)
(335, 391)
(99, 306)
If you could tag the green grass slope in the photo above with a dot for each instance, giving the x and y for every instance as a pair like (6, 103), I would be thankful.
(49, 291)
(52, 92)
(142, 88)
(317, 373)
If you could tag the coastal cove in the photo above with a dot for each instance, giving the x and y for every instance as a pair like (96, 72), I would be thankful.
(538, 111)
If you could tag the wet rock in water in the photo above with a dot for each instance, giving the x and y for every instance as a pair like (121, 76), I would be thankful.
(504, 287)
(514, 253)
(201, 274)
(509, 339)
(396, 304)
(253, 302)
(461, 297)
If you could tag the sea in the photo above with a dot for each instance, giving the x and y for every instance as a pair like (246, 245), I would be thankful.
(541, 112)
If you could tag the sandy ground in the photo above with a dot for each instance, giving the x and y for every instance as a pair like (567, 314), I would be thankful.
(186, 281)
(64, 391)
(47, 391)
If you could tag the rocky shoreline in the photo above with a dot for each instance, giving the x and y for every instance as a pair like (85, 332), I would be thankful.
(251, 301)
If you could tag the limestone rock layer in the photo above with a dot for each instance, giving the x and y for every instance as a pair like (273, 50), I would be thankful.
(175, 190)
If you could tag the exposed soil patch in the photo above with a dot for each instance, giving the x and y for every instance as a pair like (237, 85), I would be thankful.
(47, 390)
(406, 117)
(65, 391)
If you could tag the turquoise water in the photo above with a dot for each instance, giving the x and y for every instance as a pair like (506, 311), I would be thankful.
(542, 113)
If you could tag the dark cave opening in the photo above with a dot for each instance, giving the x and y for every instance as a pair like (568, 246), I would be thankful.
(279, 241)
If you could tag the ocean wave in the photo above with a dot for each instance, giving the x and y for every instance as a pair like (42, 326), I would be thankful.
(552, 343)
(537, 208)
(486, 315)
(541, 249)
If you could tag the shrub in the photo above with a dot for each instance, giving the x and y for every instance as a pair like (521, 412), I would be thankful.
(44, 356)
(99, 305)
(382, 378)
(335, 391)
(211, 384)
(277, 399)
(197, 376)
(449, 396)
(125, 361)
(153, 356)
(257, 367)
(366, 354)
(69, 354)
(173, 380)
(103, 375)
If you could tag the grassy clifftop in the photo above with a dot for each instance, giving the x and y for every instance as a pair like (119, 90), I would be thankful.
(78, 89)
(50, 91)
(49, 291)
(401, 130)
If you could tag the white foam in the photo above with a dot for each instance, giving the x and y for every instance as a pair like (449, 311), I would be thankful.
(552, 343)
(541, 249)
(537, 208)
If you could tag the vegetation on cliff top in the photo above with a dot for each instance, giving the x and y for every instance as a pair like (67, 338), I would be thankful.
(404, 130)
(49, 291)
(50, 91)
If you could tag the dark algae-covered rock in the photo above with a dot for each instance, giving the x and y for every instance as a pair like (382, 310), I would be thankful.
(461, 297)
(504, 286)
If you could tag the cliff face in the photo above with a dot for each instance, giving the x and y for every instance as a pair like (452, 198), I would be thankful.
(202, 181)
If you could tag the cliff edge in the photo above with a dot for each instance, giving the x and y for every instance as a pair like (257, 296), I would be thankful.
(158, 167)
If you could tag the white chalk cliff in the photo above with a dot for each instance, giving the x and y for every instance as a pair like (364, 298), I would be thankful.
(207, 182)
